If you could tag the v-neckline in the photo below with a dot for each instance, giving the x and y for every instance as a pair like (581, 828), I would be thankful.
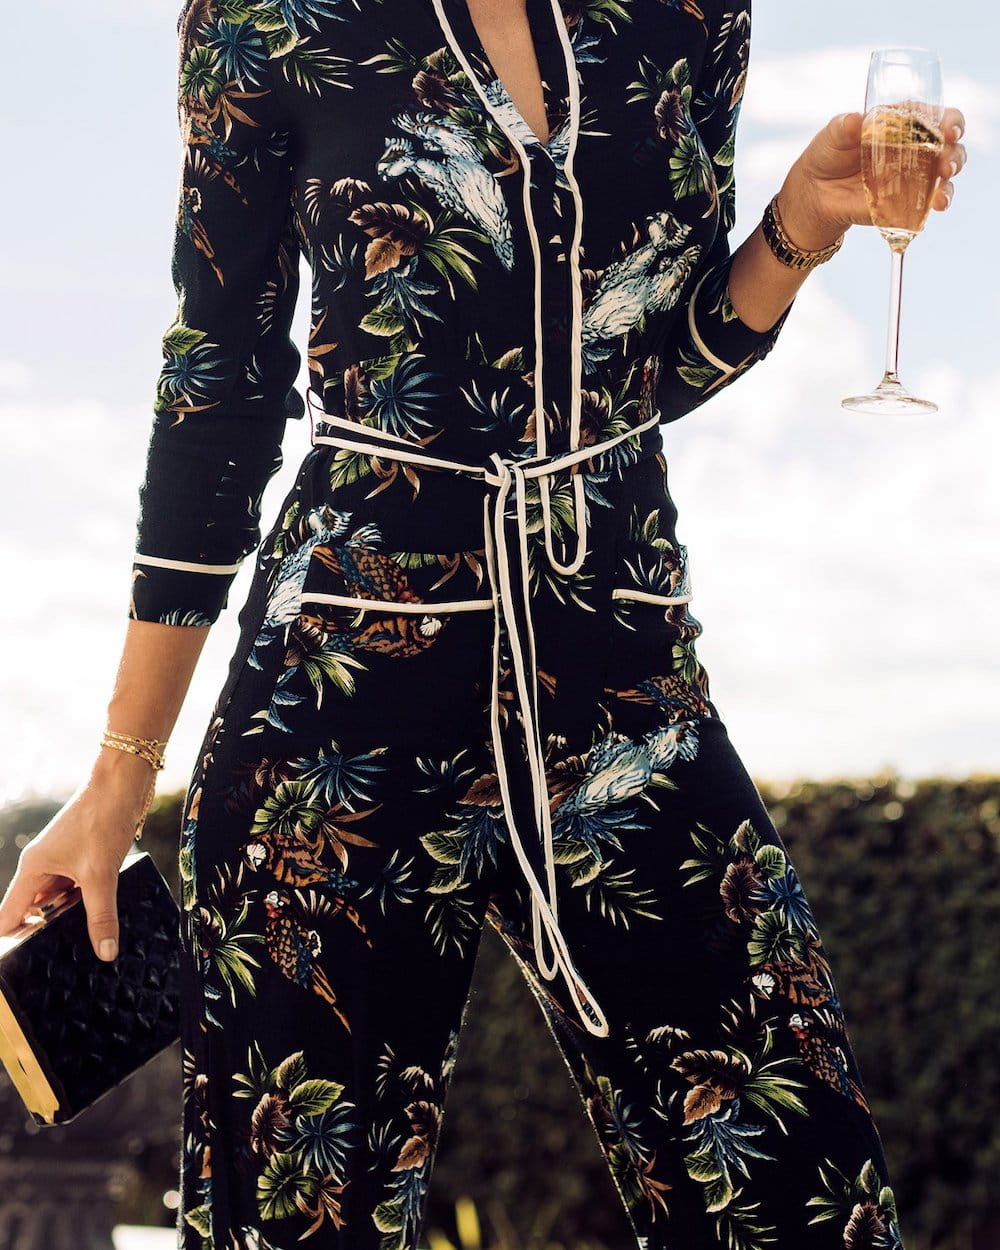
(542, 16)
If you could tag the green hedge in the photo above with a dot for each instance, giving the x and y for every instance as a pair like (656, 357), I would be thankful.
(904, 881)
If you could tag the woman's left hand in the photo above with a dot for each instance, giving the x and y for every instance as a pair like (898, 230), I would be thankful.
(822, 194)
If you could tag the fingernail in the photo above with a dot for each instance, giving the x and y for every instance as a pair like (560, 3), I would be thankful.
(109, 948)
(953, 168)
(958, 132)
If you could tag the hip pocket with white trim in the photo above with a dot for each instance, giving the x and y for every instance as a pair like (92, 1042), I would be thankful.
(404, 636)
(653, 631)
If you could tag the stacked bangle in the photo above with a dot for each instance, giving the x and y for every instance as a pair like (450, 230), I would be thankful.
(150, 750)
(783, 247)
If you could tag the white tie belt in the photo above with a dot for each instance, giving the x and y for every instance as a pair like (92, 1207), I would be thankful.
(507, 564)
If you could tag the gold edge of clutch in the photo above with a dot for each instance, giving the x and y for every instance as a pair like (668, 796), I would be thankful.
(23, 1067)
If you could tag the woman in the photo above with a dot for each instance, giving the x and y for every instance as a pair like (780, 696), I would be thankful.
(466, 685)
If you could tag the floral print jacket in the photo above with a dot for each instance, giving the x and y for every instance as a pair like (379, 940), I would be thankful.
(469, 283)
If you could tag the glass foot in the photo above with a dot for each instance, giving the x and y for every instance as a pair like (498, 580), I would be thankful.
(888, 396)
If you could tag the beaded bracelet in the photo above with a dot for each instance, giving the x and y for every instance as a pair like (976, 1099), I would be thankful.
(149, 749)
(783, 247)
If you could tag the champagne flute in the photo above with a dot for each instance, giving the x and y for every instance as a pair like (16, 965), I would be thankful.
(901, 144)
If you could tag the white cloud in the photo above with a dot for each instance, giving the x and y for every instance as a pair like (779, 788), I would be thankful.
(69, 480)
(15, 376)
(845, 566)
(802, 90)
(790, 96)
(114, 13)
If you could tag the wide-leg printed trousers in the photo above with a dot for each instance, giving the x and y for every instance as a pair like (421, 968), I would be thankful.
(436, 717)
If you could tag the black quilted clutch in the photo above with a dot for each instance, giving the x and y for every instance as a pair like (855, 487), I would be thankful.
(72, 1026)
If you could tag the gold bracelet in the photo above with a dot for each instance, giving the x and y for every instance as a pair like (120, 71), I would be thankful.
(115, 733)
(145, 810)
(783, 247)
(149, 749)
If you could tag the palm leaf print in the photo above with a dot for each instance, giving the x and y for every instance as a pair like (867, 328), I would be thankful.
(423, 699)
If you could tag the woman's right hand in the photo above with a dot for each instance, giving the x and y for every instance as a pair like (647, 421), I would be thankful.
(84, 844)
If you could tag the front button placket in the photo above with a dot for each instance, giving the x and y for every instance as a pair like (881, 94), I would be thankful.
(553, 220)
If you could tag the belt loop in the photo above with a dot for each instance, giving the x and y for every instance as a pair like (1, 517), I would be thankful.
(579, 525)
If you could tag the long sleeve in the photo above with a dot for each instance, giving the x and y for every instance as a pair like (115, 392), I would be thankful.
(708, 345)
(226, 386)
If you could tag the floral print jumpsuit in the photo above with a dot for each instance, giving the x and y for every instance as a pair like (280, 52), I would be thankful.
(466, 686)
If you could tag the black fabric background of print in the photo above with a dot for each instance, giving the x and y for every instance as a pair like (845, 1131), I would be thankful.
(351, 135)
(366, 778)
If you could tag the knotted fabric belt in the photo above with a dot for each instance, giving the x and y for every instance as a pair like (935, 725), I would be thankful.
(506, 542)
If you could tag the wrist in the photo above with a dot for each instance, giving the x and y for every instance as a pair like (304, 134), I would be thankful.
(122, 767)
(118, 797)
(804, 222)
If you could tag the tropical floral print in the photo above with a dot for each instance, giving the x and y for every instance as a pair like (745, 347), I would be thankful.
(425, 678)
(374, 139)
(345, 837)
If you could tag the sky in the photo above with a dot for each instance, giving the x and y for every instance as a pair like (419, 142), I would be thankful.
(845, 567)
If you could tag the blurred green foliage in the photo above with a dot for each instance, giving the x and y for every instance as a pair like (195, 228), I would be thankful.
(904, 881)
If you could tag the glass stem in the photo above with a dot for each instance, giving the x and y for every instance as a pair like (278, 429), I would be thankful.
(895, 305)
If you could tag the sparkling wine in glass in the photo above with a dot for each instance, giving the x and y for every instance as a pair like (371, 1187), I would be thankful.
(901, 144)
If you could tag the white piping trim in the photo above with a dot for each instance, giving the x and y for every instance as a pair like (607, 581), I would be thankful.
(579, 501)
(187, 566)
(530, 468)
(579, 529)
(503, 473)
(576, 336)
(696, 335)
(543, 907)
(327, 418)
(336, 440)
(542, 809)
(391, 605)
(646, 596)
(526, 200)
(576, 332)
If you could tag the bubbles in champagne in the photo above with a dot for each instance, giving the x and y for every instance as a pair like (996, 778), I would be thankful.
(900, 149)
